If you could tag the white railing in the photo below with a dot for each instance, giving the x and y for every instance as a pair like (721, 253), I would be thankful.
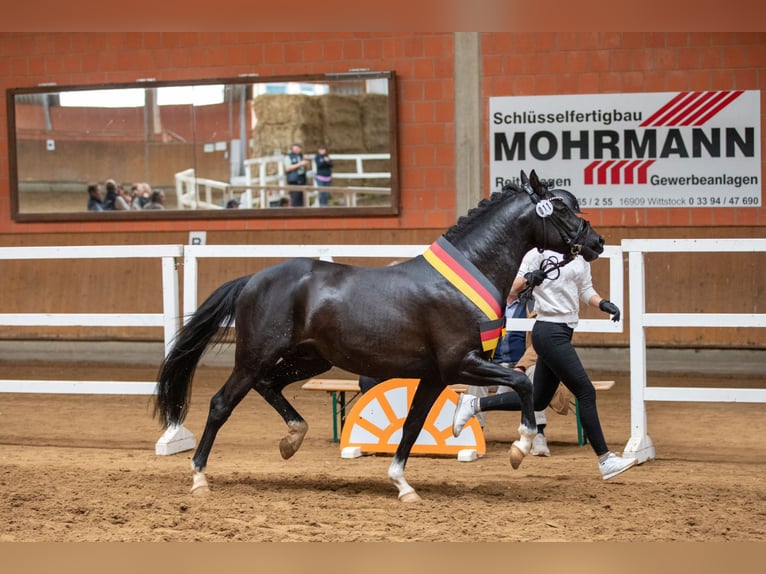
(188, 188)
(168, 319)
(640, 444)
(265, 176)
(176, 438)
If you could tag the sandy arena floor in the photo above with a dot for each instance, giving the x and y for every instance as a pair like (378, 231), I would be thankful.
(82, 468)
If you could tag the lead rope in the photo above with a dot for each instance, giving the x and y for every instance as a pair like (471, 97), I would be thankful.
(549, 266)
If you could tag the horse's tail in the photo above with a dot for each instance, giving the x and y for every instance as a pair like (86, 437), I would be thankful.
(177, 368)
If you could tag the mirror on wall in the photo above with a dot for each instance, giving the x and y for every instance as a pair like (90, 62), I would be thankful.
(203, 149)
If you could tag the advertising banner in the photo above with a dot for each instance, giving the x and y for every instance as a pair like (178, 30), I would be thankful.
(676, 149)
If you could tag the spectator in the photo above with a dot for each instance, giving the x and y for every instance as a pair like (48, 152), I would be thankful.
(113, 201)
(157, 200)
(95, 199)
(232, 204)
(323, 175)
(295, 171)
(557, 305)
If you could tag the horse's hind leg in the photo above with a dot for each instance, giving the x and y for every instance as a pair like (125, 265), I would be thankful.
(425, 395)
(221, 406)
(270, 388)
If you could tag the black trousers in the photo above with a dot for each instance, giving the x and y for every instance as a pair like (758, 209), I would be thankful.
(557, 361)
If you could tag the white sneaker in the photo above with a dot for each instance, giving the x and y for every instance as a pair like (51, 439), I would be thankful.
(613, 465)
(463, 412)
(540, 446)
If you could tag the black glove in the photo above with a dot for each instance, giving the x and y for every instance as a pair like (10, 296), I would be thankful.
(535, 278)
(608, 307)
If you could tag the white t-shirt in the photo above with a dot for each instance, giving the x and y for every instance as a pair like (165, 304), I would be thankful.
(558, 300)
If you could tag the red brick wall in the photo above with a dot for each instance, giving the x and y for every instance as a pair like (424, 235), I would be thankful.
(423, 63)
(513, 64)
(523, 64)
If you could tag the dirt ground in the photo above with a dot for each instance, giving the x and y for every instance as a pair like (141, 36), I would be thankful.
(82, 468)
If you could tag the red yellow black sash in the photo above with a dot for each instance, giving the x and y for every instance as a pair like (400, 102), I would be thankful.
(472, 283)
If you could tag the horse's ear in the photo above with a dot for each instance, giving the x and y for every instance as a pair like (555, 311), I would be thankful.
(534, 181)
(524, 178)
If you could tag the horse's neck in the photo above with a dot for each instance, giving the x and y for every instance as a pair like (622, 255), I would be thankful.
(498, 259)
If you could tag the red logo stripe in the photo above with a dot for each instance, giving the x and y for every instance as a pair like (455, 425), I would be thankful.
(601, 172)
(704, 104)
(643, 169)
(589, 169)
(726, 101)
(694, 104)
(687, 100)
(615, 171)
(648, 121)
(630, 170)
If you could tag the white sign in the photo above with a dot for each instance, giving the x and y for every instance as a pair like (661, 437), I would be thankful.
(675, 149)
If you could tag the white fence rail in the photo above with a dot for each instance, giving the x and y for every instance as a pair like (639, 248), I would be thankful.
(640, 444)
(176, 438)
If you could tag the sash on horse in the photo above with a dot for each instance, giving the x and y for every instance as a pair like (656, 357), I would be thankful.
(472, 283)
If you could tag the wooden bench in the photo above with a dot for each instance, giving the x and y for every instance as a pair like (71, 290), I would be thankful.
(339, 387)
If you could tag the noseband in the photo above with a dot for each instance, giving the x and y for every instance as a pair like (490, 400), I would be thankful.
(544, 210)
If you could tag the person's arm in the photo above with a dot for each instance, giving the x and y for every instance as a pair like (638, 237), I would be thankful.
(519, 284)
(292, 166)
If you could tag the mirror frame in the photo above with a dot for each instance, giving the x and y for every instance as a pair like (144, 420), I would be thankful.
(208, 214)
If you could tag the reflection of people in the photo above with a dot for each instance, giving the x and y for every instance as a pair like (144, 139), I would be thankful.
(157, 200)
(557, 307)
(113, 201)
(323, 174)
(94, 198)
(141, 194)
(295, 171)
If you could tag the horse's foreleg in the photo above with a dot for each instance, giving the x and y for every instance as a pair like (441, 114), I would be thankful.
(221, 406)
(478, 371)
(528, 427)
(425, 396)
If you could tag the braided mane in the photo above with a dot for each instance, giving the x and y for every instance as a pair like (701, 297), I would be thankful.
(465, 222)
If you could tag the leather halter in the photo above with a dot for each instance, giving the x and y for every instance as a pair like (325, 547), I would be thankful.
(544, 210)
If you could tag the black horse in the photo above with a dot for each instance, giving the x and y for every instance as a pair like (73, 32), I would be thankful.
(435, 317)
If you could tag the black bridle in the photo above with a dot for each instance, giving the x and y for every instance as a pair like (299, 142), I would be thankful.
(546, 212)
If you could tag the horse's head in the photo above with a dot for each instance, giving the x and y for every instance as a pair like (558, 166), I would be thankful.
(567, 233)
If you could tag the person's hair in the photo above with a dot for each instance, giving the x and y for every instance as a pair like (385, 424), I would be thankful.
(158, 196)
(92, 188)
(111, 186)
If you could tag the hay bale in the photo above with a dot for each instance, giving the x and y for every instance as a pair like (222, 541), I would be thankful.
(282, 119)
(342, 123)
(375, 123)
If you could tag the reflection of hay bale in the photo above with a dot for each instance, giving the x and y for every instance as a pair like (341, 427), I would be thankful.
(342, 121)
(375, 123)
(283, 119)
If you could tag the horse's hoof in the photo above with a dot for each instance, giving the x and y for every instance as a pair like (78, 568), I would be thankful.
(291, 442)
(199, 487)
(517, 455)
(201, 491)
(410, 497)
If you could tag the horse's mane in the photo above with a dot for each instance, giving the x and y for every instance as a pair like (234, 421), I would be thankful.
(465, 221)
